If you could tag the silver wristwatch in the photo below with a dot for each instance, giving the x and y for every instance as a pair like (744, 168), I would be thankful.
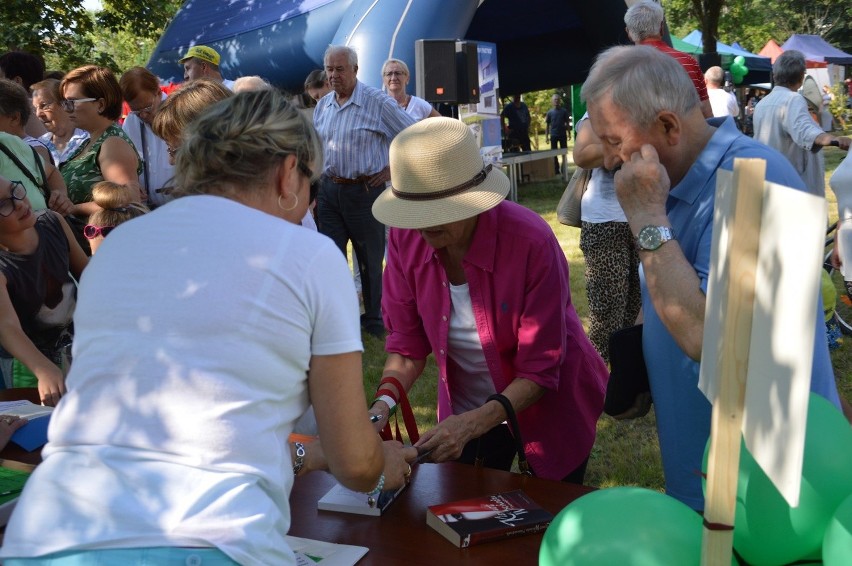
(651, 237)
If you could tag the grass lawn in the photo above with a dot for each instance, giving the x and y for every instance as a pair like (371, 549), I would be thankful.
(625, 453)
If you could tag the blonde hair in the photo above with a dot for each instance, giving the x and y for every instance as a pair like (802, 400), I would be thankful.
(184, 104)
(116, 202)
(399, 62)
(236, 144)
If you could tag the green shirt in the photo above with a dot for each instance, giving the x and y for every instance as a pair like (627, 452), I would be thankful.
(80, 173)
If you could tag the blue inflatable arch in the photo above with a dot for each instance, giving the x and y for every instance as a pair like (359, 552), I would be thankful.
(540, 43)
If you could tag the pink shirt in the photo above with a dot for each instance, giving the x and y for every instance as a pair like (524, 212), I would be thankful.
(519, 289)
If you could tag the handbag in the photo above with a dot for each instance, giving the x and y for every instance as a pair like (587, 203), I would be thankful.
(512, 419)
(628, 376)
(568, 209)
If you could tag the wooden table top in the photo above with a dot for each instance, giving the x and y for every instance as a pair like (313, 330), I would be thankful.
(401, 535)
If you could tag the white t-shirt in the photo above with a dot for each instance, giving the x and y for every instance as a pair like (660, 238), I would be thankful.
(418, 108)
(600, 203)
(155, 153)
(723, 103)
(195, 326)
(469, 379)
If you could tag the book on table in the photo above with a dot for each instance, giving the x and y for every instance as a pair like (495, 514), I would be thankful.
(33, 434)
(488, 518)
(343, 500)
(311, 552)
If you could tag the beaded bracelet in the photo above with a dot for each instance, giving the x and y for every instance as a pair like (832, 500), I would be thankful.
(300, 458)
(371, 495)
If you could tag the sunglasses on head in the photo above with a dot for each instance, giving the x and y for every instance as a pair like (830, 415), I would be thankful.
(91, 231)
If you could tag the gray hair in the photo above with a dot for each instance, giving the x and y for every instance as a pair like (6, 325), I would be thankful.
(789, 68)
(643, 20)
(715, 75)
(335, 49)
(251, 82)
(236, 145)
(399, 62)
(641, 80)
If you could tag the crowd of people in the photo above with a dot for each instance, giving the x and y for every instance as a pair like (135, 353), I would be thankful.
(196, 257)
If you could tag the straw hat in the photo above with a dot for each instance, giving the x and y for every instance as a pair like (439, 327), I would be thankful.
(437, 177)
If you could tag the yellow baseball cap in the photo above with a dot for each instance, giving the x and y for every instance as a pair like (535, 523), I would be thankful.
(202, 52)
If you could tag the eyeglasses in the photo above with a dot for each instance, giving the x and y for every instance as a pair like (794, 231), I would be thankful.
(394, 74)
(91, 231)
(146, 110)
(16, 192)
(314, 188)
(45, 106)
(69, 104)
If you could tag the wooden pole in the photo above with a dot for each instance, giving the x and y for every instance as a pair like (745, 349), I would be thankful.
(732, 364)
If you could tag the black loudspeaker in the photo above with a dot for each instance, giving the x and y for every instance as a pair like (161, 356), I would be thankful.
(467, 71)
(446, 71)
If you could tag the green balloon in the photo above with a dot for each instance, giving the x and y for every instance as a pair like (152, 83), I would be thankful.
(628, 526)
(739, 60)
(738, 73)
(837, 544)
(766, 529)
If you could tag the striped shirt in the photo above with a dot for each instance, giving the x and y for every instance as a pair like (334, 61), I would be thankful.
(686, 61)
(357, 135)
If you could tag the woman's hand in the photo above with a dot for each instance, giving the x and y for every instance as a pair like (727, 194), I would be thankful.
(448, 438)
(8, 425)
(60, 203)
(51, 385)
(397, 463)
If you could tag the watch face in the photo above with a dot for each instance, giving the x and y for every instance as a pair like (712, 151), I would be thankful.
(649, 238)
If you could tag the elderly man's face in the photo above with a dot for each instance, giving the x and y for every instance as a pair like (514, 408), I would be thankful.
(342, 76)
(619, 137)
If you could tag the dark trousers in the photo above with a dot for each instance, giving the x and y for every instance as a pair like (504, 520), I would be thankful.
(561, 141)
(497, 450)
(344, 214)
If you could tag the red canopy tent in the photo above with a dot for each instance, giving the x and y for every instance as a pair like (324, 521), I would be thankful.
(771, 50)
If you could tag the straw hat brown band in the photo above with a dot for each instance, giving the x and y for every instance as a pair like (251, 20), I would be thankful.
(438, 177)
(476, 181)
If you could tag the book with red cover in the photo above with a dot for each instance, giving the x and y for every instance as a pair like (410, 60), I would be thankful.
(488, 518)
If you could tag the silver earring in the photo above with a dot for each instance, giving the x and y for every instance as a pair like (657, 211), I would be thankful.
(295, 203)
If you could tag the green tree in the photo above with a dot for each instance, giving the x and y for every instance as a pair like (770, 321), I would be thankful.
(120, 35)
(49, 27)
(754, 22)
(144, 19)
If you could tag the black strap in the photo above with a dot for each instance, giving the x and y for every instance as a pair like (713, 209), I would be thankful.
(523, 465)
(26, 170)
(144, 155)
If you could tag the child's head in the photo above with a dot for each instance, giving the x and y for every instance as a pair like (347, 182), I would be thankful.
(117, 206)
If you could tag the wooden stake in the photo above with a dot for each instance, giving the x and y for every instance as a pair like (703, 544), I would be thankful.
(732, 364)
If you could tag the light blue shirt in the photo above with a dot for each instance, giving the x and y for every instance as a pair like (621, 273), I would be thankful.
(782, 121)
(357, 135)
(78, 138)
(682, 411)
